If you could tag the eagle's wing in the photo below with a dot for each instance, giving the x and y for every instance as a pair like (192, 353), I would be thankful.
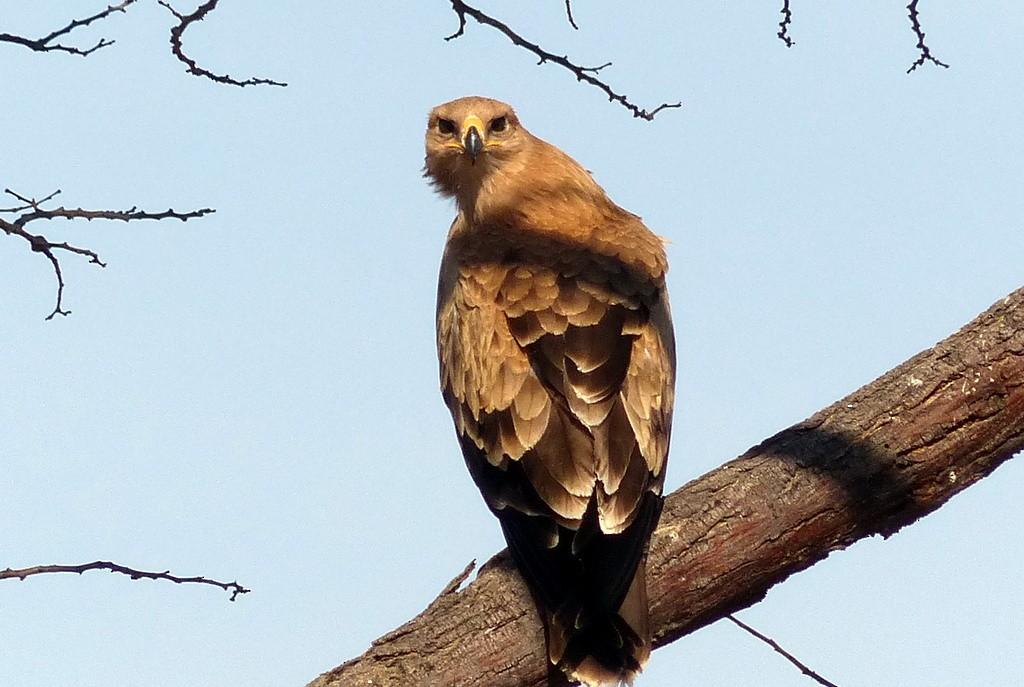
(559, 374)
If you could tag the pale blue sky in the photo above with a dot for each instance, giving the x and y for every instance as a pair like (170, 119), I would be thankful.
(254, 395)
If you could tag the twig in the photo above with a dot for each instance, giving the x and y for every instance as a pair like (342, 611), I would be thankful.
(457, 581)
(787, 19)
(32, 210)
(568, 13)
(461, 10)
(186, 20)
(28, 202)
(785, 654)
(926, 53)
(21, 574)
(44, 44)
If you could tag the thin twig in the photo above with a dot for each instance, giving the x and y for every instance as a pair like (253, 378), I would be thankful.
(21, 574)
(31, 210)
(44, 44)
(28, 202)
(568, 13)
(785, 654)
(926, 53)
(186, 20)
(787, 19)
(461, 10)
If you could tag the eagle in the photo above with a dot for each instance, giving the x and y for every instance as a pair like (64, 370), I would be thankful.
(557, 363)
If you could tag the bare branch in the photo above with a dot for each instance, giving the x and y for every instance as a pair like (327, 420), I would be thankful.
(926, 53)
(45, 43)
(782, 652)
(871, 463)
(186, 20)
(787, 19)
(28, 202)
(595, 70)
(21, 574)
(915, 23)
(32, 210)
(461, 10)
(457, 581)
(568, 14)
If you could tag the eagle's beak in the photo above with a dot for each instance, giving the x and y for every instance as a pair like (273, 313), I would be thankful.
(472, 143)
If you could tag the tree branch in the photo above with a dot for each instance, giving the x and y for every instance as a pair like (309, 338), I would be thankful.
(915, 24)
(787, 19)
(926, 53)
(21, 574)
(568, 14)
(186, 20)
(872, 463)
(782, 652)
(45, 43)
(31, 210)
(462, 10)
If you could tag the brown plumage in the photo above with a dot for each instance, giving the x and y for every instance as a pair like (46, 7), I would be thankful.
(557, 362)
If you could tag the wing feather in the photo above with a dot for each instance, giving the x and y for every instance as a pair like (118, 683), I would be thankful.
(565, 375)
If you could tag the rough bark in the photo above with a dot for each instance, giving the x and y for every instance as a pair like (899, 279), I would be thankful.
(872, 463)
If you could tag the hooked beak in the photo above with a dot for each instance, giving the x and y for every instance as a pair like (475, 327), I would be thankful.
(472, 143)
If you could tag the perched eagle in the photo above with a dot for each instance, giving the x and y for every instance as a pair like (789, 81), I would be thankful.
(557, 363)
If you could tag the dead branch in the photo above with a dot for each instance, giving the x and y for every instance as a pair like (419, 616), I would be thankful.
(585, 74)
(915, 25)
(46, 44)
(186, 20)
(568, 14)
(21, 574)
(461, 9)
(787, 19)
(32, 210)
(782, 652)
(873, 463)
(926, 53)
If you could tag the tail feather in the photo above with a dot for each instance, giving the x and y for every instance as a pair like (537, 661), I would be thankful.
(601, 649)
(590, 588)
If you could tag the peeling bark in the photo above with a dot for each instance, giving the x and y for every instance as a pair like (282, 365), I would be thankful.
(872, 463)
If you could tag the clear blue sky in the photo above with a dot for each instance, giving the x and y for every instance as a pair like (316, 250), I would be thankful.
(254, 395)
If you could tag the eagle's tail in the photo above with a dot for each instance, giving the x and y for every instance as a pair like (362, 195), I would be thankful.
(603, 649)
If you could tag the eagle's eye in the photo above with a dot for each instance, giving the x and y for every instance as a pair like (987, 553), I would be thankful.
(499, 124)
(446, 126)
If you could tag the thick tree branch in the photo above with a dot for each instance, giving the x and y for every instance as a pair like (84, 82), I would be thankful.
(32, 210)
(872, 463)
(585, 74)
(21, 574)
